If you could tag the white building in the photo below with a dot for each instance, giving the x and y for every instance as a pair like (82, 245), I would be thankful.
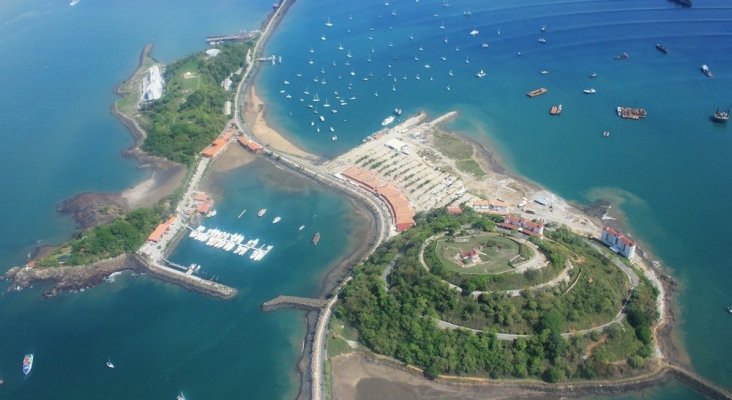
(152, 84)
(396, 145)
(618, 242)
(491, 207)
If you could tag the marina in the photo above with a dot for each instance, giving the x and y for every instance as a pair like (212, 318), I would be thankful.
(230, 242)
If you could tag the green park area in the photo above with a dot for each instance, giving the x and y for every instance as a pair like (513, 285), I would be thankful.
(570, 330)
(477, 254)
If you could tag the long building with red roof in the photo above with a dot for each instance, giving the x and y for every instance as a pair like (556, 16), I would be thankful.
(160, 230)
(401, 211)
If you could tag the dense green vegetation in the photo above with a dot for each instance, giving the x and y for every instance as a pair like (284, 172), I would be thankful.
(123, 235)
(191, 113)
(397, 318)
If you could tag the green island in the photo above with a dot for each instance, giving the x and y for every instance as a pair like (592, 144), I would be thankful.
(398, 307)
(177, 127)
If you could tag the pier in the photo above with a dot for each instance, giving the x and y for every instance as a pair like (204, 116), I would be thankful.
(300, 303)
(241, 36)
(271, 59)
(187, 280)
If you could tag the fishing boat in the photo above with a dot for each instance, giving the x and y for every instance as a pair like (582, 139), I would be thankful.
(721, 116)
(316, 238)
(27, 364)
(606, 134)
(276, 220)
(556, 109)
(705, 69)
(388, 120)
(589, 91)
(109, 364)
(661, 48)
(481, 74)
(623, 56)
(261, 212)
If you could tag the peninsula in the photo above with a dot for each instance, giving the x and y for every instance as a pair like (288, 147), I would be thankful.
(470, 278)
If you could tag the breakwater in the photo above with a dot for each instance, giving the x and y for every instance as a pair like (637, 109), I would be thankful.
(301, 303)
(190, 282)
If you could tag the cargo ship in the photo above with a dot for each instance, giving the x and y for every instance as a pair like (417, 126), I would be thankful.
(556, 110)
(316, 238)
(537, 92)
(661, 48)
(631, 113)
(705, 69)
(27, 364)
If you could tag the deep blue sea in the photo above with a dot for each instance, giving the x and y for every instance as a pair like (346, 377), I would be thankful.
(668, 174)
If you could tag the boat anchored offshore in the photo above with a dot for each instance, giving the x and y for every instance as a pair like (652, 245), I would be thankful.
(109, 364)
(397, 111)
(556, 110)
(705, 69)
(623, 56)
(590, 91)
(301, 227)
(606, 134)
(276, 220)
(720, 116)
(481, 74)
(316, 238)
(181, 396)
(661, 48)
(261, 212)
(631, 113)
(27, 364)
(387, 121)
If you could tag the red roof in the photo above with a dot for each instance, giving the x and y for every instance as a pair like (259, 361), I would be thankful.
(157, 234)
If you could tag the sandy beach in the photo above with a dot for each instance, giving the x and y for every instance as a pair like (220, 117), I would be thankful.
(161, 183)
(255, 114)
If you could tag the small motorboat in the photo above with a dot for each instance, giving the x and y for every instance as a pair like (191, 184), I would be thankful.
(109, 364)
(606, 134)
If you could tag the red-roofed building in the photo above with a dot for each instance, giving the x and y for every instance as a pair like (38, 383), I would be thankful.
(399, 207)
(523, 225)
(253, 146)
(454, 210)
(160, 230)
(470, 256)
(618, 242)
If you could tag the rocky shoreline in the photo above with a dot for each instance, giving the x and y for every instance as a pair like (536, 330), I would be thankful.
(66, 279)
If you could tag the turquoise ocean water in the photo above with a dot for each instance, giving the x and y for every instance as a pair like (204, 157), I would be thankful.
(60, 64)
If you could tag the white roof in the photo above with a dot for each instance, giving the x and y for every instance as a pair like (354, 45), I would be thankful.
(212, 52)
(395, 144)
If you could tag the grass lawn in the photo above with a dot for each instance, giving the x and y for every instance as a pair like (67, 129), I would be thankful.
(453, 147)
(494, 253)
(470, 166)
